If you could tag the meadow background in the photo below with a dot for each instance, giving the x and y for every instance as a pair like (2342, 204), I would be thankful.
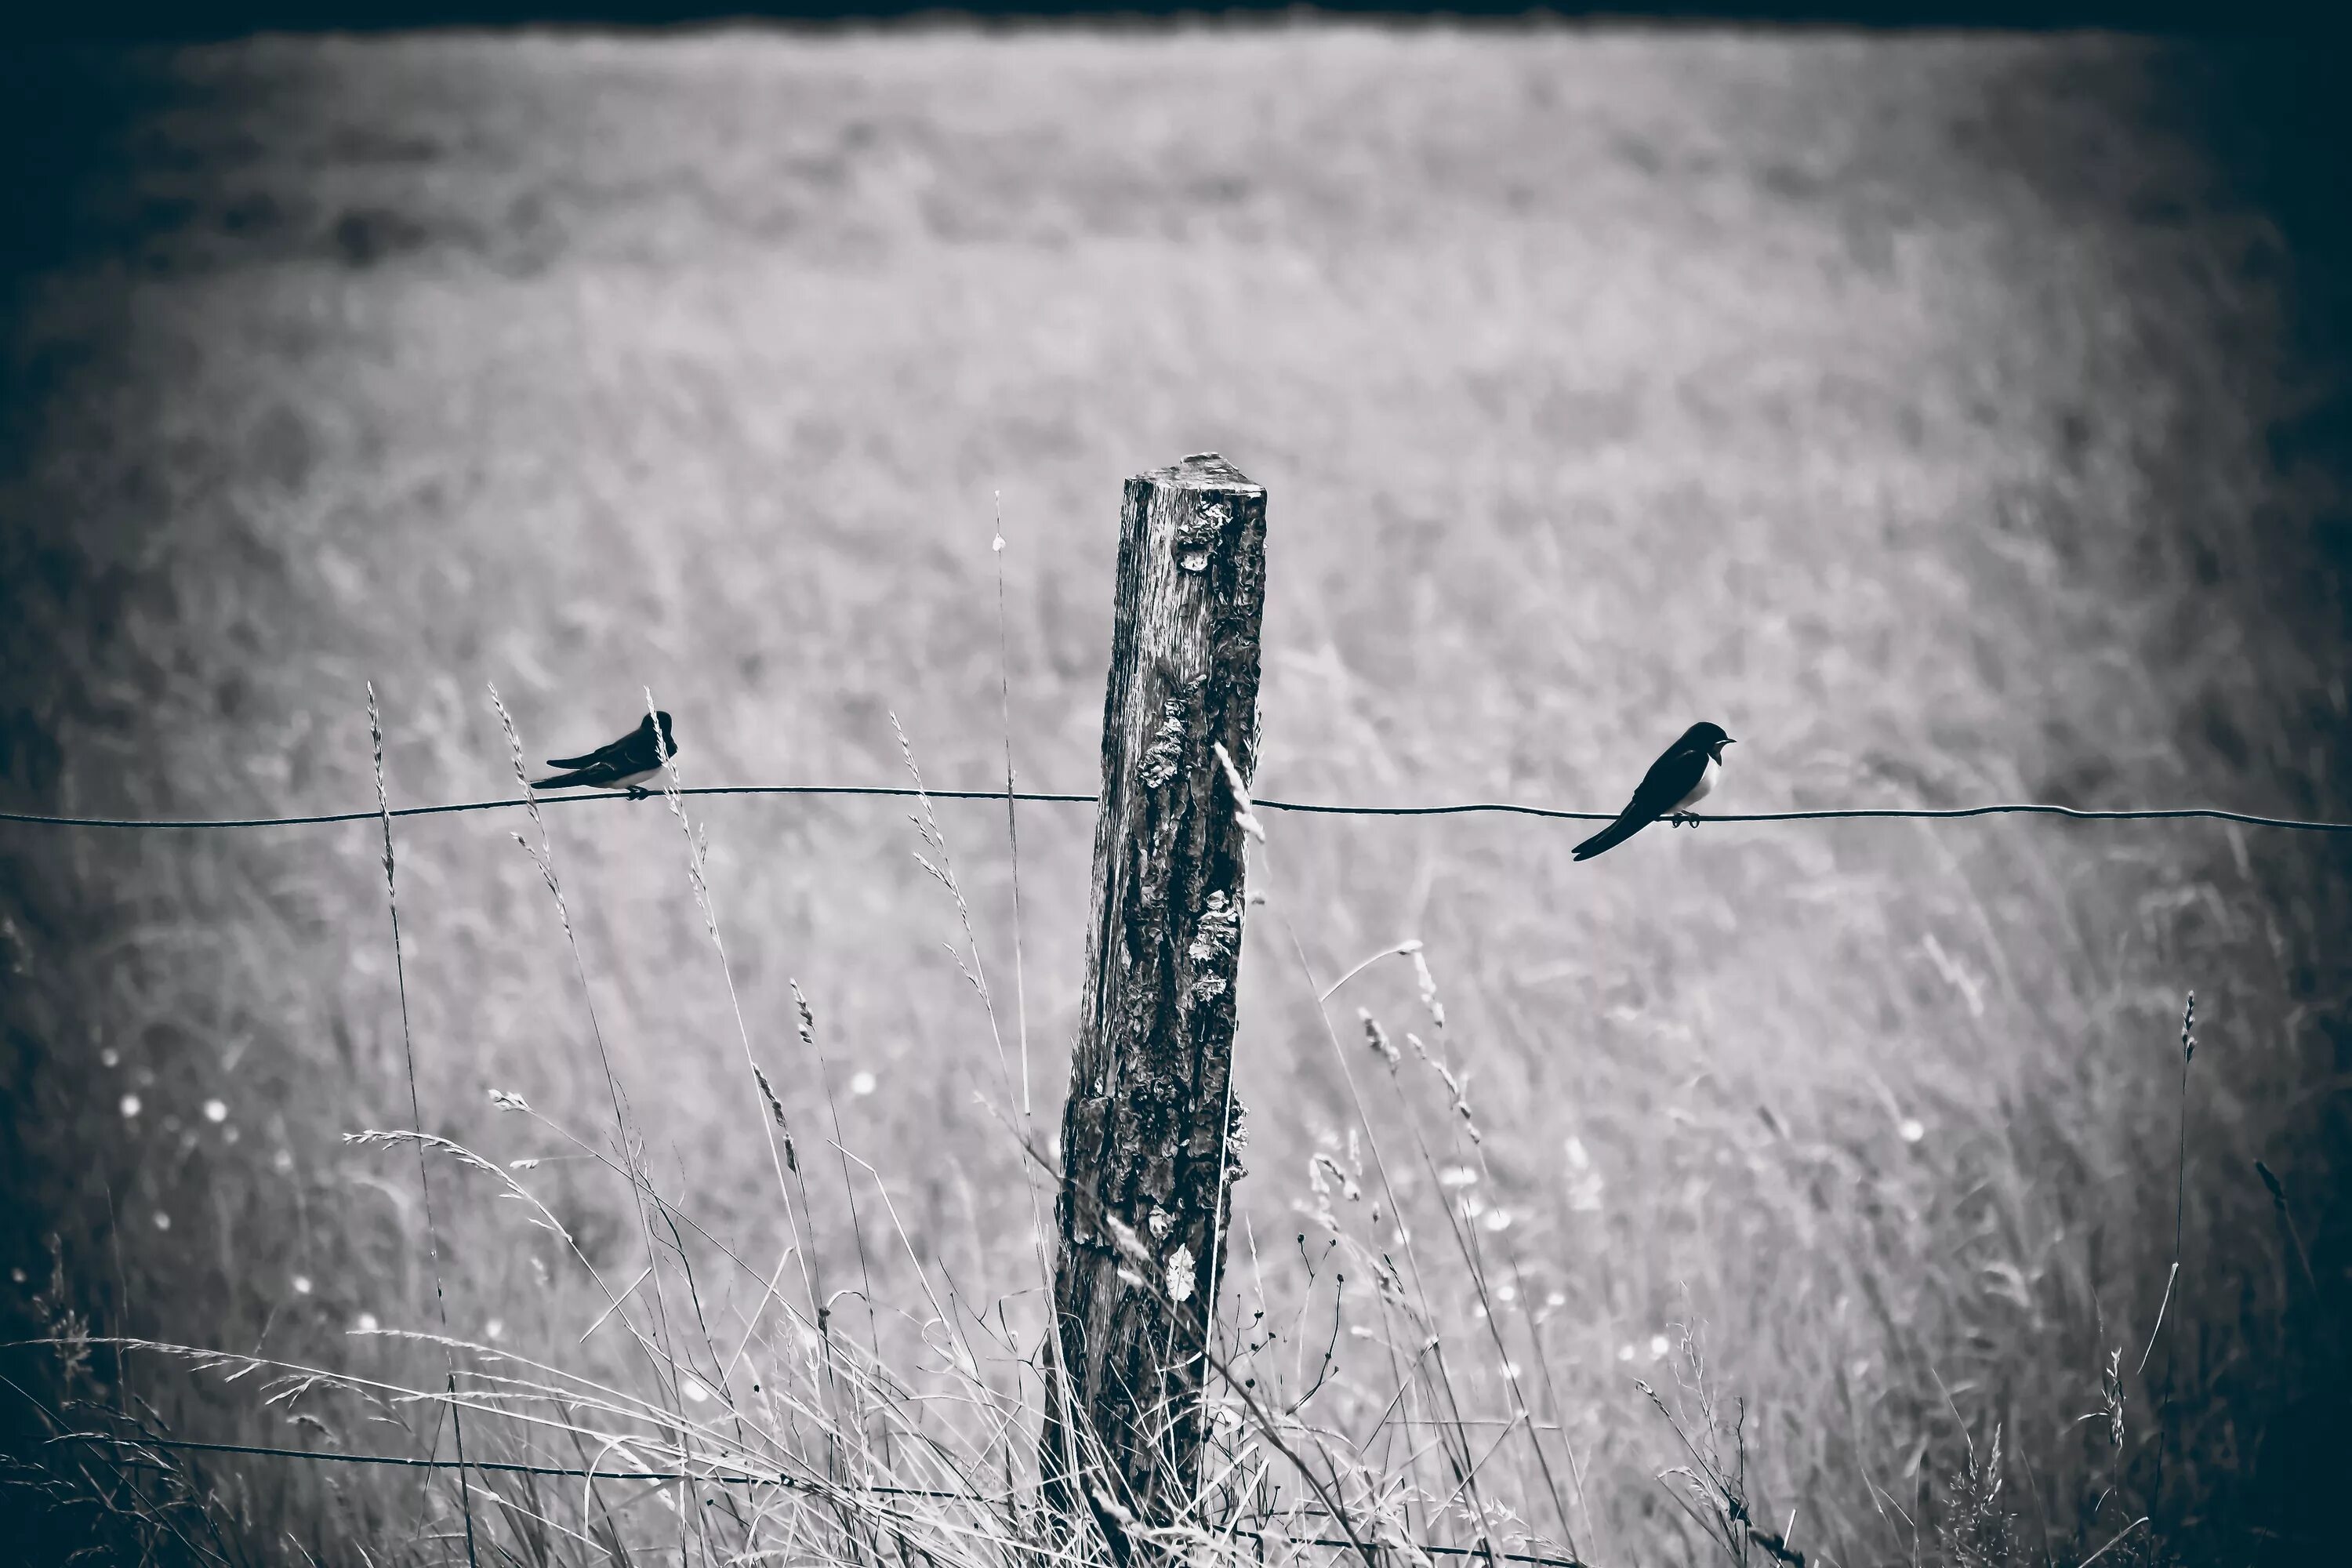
(1952, 418)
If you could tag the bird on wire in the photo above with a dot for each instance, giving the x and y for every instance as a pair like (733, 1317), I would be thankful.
(625, 765)
(1676, 781)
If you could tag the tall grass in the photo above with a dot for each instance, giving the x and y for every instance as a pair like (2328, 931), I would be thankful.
(723, 1434)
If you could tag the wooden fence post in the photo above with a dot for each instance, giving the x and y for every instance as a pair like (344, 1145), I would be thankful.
(1145, 1155)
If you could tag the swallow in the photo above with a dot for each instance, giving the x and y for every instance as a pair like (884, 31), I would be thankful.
(1676, 781)
(627, 763)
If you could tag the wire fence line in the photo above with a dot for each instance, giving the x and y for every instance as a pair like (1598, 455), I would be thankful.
(1316, 808)
(738, 1478)
(405, 1461)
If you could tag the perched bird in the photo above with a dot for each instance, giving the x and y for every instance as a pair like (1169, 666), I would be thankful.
(627, 763)
(1675, 782)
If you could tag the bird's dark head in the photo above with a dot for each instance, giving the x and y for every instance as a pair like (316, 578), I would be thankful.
(668, 743)
(1709, 738)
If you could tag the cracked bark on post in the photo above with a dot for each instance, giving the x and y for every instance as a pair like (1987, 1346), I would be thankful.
(1145, 1134)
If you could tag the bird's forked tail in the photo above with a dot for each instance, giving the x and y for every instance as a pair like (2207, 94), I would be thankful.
(1610, 837)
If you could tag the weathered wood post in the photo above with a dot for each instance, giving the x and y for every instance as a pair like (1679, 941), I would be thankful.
(1144, 1134)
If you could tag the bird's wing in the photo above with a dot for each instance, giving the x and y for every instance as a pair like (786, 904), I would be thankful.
(1669, 780)
(619, 761)
(618, 751)
(640, 750)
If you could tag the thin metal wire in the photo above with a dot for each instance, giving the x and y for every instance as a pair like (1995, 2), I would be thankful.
(405, 1461)
(791, 1482)
(1504, 808)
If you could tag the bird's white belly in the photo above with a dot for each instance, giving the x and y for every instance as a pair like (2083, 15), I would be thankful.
(1699, 790)
(637, 780)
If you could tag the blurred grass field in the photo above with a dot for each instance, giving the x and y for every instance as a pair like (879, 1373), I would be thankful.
(1936, 413)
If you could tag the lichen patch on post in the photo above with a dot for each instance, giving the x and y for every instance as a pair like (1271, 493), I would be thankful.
(1217, 934)
(1197, 533)
(1180, 1274)
(1166, 754)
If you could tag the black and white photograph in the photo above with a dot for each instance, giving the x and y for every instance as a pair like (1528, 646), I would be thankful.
(852, 786)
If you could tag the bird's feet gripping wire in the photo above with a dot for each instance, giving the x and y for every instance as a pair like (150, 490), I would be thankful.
(637, 794)
(1685, 818)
